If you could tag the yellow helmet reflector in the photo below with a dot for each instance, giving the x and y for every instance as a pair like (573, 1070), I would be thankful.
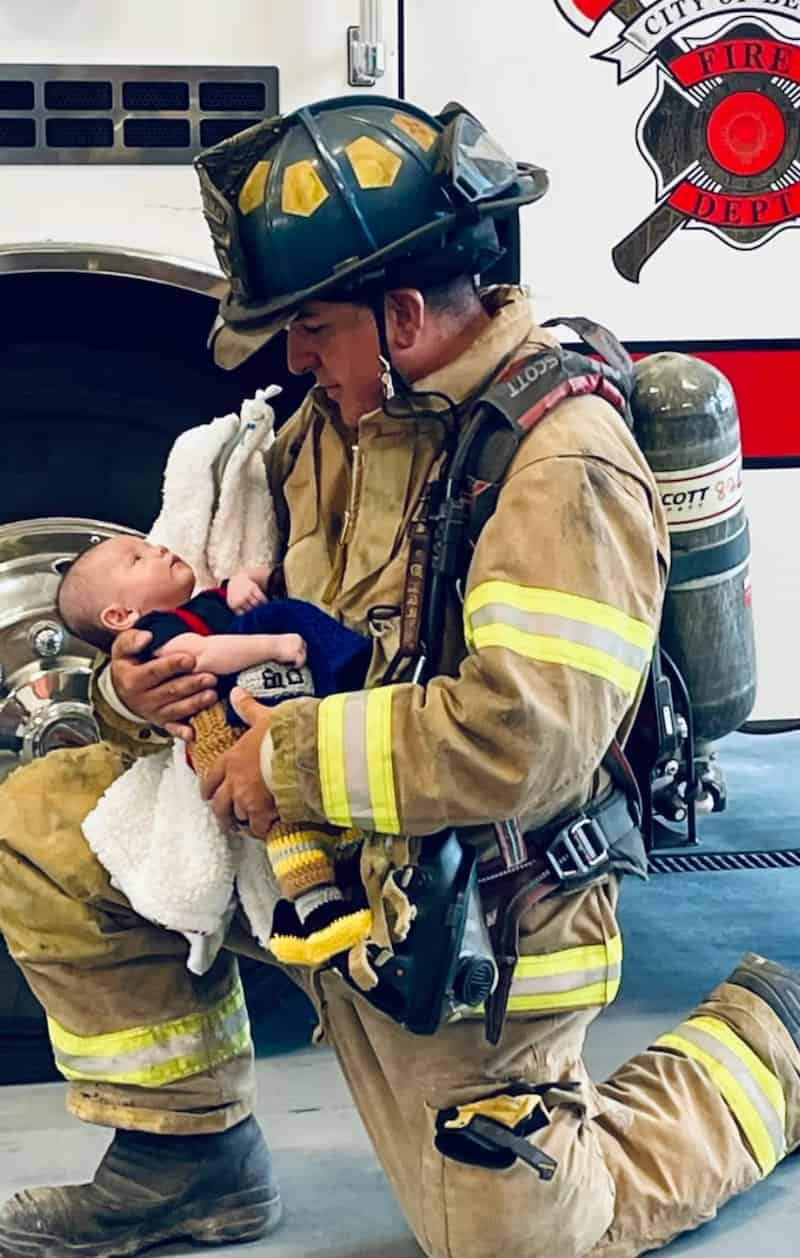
(374, 165)
(419, 131)
(303, 190)
(252, 193)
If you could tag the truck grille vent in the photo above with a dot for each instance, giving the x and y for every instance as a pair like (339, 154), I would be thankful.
(80, 95)
(722, 862)
(16, 94)
(155, 97)
(17, 133)
(127, 114)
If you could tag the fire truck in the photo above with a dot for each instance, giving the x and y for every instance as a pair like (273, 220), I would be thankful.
(671, 133)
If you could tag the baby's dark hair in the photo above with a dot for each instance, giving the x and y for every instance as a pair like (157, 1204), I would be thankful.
(77, 603)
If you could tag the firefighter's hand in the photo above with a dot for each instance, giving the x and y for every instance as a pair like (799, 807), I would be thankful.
(164, 691)
(234, 784)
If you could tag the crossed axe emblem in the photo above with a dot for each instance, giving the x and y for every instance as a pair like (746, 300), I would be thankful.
(724, 132)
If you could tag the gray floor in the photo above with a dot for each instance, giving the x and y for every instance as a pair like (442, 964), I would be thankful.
(682, 933)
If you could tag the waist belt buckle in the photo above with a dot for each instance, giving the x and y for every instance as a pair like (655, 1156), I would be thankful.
(579, 851)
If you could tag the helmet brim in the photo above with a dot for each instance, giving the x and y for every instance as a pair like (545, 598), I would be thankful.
(232, 345)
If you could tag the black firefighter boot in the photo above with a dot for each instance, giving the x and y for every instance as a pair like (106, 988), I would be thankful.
(148, 1189)
(777, 985)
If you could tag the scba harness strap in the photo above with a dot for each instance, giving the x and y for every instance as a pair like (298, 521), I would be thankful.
(606, 835)
(526, 392)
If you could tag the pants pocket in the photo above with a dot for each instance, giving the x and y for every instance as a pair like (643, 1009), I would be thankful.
(510, 1207)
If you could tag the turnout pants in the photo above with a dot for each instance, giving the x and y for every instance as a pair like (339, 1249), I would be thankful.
(702, 1114)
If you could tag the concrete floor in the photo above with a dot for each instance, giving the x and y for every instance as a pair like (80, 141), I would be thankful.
(682, 934)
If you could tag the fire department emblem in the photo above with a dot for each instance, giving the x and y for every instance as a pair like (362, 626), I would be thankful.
(722, 133)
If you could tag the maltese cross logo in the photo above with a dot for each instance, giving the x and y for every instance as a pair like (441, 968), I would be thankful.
(722, 133)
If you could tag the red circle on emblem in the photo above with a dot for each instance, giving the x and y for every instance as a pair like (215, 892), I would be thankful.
(746, 133)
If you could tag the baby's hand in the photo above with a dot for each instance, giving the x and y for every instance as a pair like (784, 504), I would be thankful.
(244, 593)
(290, 648)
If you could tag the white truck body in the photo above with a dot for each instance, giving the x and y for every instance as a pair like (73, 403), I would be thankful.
(531, 72)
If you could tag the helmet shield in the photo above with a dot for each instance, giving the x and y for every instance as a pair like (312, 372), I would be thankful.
(474, 163)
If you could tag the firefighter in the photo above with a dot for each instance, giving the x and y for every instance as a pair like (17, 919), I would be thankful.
(359, 224)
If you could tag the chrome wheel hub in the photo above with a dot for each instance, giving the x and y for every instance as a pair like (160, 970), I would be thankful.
(44, 671)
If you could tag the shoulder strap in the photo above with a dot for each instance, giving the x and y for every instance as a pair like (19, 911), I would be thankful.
(600, 341)
(526, 392)
(522, 396)
(458, 505)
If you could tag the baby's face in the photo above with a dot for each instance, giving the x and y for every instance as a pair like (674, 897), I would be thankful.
(136, 575)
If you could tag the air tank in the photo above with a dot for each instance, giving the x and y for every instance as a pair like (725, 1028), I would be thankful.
(687, 425)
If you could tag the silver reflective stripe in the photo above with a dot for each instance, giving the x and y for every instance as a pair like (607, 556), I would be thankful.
(564, 627)
(356, 761)
(766, 1112)
(187, 1054)
(565, 982)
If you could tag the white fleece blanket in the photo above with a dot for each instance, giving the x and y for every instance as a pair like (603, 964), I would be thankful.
(159, 841)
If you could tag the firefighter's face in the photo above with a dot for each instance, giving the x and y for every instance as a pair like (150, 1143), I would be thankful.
(338, 343)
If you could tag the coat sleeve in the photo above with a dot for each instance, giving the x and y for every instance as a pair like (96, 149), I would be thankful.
(562, 606)
(130, 738)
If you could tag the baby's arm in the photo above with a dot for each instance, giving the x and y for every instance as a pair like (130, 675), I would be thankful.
(229, 652)
(260, 573)
(247, 588)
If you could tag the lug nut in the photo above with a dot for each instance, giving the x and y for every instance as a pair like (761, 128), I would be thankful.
(47, 640)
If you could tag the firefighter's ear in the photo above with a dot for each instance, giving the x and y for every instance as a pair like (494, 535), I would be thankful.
(115, 617)
(405, 317)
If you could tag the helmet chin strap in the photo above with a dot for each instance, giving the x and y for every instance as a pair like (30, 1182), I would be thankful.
(392, 382)
(387, 383)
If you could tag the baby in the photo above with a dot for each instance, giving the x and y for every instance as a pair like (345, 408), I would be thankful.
(126, 583)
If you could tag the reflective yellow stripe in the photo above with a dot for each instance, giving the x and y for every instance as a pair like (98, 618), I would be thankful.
(531, 598)
(735, 1097)
(558, 628)
(559, 651)
(153, 1056)
(159, 1076)
(588, 957)
(602, 993)
(768, 1083)
(118, 1042)
(752, 1092)
(576, 978)
(330, 740)
(354, 752)
(379, 760)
